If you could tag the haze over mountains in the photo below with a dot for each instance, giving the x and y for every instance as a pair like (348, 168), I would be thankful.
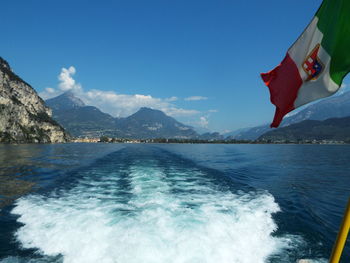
(81, 120)
(334, 107)
(334, 129)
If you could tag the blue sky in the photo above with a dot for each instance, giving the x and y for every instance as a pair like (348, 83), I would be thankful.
(164, 51)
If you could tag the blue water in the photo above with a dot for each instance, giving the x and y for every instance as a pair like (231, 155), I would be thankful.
(171, 202)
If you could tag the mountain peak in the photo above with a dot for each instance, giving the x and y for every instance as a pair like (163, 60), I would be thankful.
(151, 123)
(5, 67)
(146, 109)
(74, 99)
(150, 114)
(65, 101)
(4, 63)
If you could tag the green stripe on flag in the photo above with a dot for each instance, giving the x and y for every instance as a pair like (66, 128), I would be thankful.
(334, 23)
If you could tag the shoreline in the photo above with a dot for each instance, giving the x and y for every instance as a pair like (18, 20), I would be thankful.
(185, 142)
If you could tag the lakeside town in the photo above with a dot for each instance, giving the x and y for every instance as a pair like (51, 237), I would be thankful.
(105, 139)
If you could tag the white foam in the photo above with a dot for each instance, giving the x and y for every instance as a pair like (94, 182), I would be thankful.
(94, 222)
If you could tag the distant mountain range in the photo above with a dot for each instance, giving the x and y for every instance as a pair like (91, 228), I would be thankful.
(81, 120)
(334, 107)
(334, 129)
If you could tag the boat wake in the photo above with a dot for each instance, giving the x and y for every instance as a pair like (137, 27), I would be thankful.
(149, 209)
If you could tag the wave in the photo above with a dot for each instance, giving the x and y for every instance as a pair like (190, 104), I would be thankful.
(147, 210)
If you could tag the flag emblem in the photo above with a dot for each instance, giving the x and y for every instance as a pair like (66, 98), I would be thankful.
(312, 64)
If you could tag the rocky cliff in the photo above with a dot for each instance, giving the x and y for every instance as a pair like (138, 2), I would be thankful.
(24, 118)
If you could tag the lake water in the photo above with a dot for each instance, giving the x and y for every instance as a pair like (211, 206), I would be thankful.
(171, 202)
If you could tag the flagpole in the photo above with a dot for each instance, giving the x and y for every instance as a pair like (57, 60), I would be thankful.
(342, 236)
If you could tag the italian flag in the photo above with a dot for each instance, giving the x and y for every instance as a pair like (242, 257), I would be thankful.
(315, 64)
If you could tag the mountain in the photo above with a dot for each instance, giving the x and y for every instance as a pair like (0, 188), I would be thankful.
(149, 123)
(201, 130)
(334, 107)
(81, 120)
(248, 133)
(66, 101)
(334, 129)
(87, 121)
(24, 117)
(337, 106)
(232, 134)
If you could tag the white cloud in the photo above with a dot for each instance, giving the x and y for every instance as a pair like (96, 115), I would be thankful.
(179, 112)
(203, 122)
(171, 99)
(66, 80)
(121, 105)
(193, 98)
(49, 93)
(50, 90)
(118, 105)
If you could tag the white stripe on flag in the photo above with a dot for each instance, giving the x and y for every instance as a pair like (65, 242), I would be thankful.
(321, 87)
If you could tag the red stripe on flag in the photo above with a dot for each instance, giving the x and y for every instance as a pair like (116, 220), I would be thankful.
(284, 82)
